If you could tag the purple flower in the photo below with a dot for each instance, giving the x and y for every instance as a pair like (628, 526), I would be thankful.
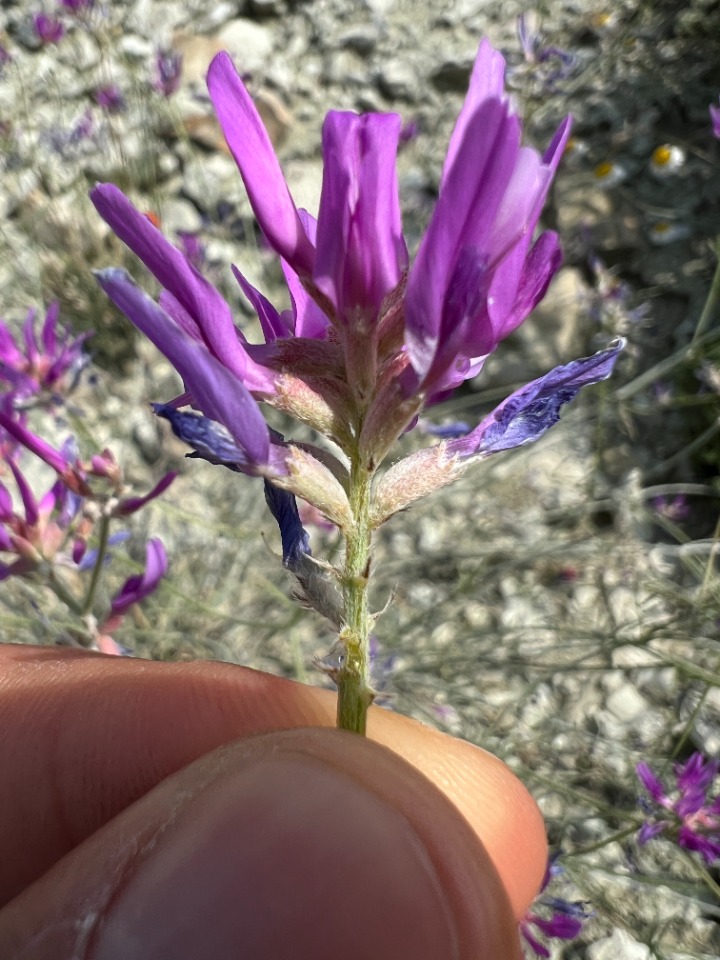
(369, 339)
(40, 532)
(715, 120)
(53, 362)
(110, 98)
(675, 509)
(565, 920)
(48, 29)
(168, 70)
(687, 812)
(140, 586)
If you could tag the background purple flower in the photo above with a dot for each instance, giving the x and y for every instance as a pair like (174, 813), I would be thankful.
(688, 812)
(715, 120)
(48, 29)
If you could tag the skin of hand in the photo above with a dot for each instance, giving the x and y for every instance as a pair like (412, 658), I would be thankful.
(202, 810)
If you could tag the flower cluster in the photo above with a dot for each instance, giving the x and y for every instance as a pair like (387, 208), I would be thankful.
(688, 812)
(42, 536)
(371, 339)
(48, 364)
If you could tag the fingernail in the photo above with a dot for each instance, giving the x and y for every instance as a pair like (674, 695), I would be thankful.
(288, 858)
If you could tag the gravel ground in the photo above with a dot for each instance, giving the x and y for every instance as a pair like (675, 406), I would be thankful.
(539, 607)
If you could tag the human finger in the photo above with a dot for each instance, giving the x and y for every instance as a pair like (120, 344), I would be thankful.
(303, 844)
(84, 736)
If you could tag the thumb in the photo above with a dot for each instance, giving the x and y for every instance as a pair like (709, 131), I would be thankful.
(303, 844)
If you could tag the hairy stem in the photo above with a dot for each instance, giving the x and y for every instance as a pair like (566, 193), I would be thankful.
(353, 680)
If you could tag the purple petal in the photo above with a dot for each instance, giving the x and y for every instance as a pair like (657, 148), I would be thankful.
(652, 784)
(707, 847)
(715, 120)
(28, 497)
(253, 152)
(6, 504)
(486, 83)
(294, 537)
(49, 330)
(35, 444)
(173, 270)
(133, 504)
(28, 331)
(530, 412)
(361, 252)
(142, 585)
(697, 773)
(310, 320)
(208, 438)
(560, 925)
(217, 392)
(528, 275)
(271, 322)
(648, 831)
(468, 203)
(535, 945)
(9, 352)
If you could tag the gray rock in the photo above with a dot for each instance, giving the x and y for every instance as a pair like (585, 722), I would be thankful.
(398, 81)
(180, 216)
(362, 39)
(451, 76)
(626, 704)
(208, 180)
(250, 43)
(136, 48)
(264, 8)
(619, 946)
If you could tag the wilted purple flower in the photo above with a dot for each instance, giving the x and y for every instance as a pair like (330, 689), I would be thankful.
(316, 588)
(53, 362)
(368, 340)
(110, 98)
(48, 29)
(558, 918)
(168, 70)
(675, 509)
(687, 812)
(715, 120)
(529, 37)
(534, 53)
(294, 537)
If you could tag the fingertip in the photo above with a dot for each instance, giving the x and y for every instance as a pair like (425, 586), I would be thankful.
(299, 844)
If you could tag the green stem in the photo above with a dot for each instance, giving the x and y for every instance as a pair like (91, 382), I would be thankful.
(711, 304)
(99, 563)
(62, 593)
(353, 681)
